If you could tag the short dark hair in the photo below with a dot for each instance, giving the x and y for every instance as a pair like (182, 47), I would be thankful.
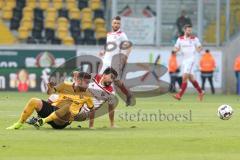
(110, 70)
(187, 26)
(84, 75)
(207, 50)
(117, 18)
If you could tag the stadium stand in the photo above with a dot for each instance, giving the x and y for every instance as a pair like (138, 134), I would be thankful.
(234, 23)
(54, 21)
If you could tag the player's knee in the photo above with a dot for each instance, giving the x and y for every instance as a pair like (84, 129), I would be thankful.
(36, 102)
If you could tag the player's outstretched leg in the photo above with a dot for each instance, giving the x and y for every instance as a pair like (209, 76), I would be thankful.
(179, 95)
(33, 104)
(197, 87)
(62, 114)
(111, 116)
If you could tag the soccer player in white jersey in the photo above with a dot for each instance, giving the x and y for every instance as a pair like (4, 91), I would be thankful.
(116, 40)
(120, 46)
(102, 91)
(189, 46)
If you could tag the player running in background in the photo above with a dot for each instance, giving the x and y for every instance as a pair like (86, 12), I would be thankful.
(102, 91)
(60, 113)
(122, 49)
(188, 45)
(118, 39)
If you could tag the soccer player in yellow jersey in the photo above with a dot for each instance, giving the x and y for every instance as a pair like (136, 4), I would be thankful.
(60, 113)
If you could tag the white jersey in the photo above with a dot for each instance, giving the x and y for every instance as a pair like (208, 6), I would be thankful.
(116, 38)
(100, 93)
(188, 46)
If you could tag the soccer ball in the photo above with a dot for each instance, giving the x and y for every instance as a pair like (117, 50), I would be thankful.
(225, 112)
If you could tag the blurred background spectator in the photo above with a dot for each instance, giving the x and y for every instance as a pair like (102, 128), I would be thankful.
(181, 21)
(207, 67)
(174, 71)
(237, 73)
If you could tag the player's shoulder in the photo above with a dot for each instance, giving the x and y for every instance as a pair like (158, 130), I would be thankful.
(67, 83)
(116, 33)
(181, 37)
(109, 89)
(193, 37)
(97, 78)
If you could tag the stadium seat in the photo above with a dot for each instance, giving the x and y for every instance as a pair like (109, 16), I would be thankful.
(101, 33)
(62, 22)
(38, 14)
(17, 13)
(10, 3)
(57, 4)
(75, 33)
(68, 40)
(75, 23)
(38, 25)
(44, 4)
(62, 33)
(2, 4)
(101, 41)
(31, 3)
(31, 40)
(7, 13)
(26, 22)
(88, 33)
(49, 34)
(51, 12)
(23, 33)
(95, 4)
(98, 14)
(90, 41)
(71, 4)
(42, 41)
(56, 41)
(99, 23)
(74, 13)
(78, 41)
(7, 37)
(82, 4)
(36, 34)
(20, 4)
(43, 19)
(86, 24)
(86, 14)
(14, 24)
(63, 13)
(28, 12)
(50, 23)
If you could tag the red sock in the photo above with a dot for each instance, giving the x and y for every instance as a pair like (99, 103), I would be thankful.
(123, 89)
(196, 85)
(183, 88)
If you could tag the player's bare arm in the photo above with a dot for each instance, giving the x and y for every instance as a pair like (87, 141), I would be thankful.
(50, 89)
(199, 49)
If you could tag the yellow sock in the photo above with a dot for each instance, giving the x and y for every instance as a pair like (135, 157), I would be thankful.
(28, 110)
(50, 118)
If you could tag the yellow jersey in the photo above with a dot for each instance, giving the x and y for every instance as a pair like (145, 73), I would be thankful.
(69, 96)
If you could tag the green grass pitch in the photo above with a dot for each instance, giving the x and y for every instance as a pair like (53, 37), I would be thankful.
(197, 133)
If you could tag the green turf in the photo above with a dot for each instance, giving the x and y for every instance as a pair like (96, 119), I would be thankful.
(204, 137)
